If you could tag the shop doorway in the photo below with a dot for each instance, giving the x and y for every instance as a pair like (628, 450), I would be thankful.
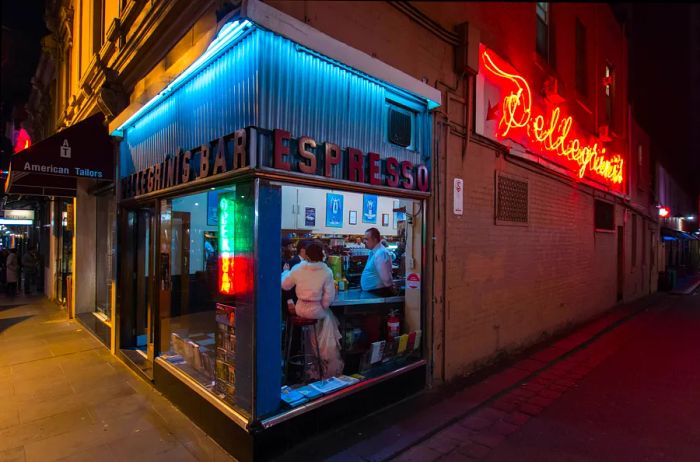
(137, 300)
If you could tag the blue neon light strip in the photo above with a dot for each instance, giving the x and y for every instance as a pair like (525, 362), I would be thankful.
(228, 34)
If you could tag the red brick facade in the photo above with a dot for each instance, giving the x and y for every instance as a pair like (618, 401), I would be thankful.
(496, 288)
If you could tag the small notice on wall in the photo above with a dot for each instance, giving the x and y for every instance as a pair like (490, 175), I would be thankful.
(413, 281)
(458, 194)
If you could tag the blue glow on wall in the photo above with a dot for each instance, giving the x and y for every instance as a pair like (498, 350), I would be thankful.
(265, 80)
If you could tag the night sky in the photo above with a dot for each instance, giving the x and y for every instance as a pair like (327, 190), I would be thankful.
(660, 65)
(661, 59)
(22, 29)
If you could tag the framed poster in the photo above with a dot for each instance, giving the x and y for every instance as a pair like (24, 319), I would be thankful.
(334, 210)
(213, 208)
(352, 219)
(369, 208)
(310, 216)
(385, 219)
(398, 215)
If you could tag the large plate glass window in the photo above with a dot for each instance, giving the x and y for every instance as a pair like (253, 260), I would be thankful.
(379, 330)
(203, 333)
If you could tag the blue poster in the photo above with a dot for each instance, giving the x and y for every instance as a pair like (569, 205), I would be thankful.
(212, 208)
(334, 210)
(369, 208)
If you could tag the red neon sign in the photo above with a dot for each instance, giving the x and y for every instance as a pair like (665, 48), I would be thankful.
(23, 140)
(664, 212)
(551, 133)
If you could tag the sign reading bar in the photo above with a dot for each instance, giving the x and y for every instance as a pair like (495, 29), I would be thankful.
(279, 151)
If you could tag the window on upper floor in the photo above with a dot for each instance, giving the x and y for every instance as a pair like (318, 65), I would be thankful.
(98, 21)
(542, 10)
(581, 68)
(609, 85)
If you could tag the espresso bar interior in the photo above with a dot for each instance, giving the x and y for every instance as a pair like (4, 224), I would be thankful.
(204, 332)
(379, 332)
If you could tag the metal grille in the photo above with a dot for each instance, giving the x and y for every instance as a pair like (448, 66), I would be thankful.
(511, 200)
(399, 128)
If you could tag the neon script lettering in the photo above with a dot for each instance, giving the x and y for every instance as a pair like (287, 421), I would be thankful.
(553, 133)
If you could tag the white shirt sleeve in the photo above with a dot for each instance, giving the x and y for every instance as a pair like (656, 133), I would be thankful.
(288, 281)
(382, 261)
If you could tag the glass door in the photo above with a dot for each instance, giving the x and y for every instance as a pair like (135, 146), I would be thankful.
(138, 276)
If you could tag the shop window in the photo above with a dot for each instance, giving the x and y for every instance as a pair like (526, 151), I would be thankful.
(511, 200)
(105, 248)
(609, 83)
(200, 331)
(604, 216)
(400, 126)
(379, 327)
(542, 9)
(581, 60)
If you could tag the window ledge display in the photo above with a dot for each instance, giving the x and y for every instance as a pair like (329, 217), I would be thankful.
(346, 390)
(240, 419)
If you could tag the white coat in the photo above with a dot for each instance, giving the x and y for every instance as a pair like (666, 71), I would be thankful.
(315, 291)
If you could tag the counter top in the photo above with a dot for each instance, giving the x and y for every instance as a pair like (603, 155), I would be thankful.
(360, 297)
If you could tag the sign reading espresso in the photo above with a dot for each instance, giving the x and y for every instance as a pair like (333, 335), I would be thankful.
(281, 152)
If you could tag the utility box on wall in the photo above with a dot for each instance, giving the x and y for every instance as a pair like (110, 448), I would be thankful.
(467, 59)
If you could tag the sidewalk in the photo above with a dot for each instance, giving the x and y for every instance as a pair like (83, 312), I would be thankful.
(429, 426)
(63, 396)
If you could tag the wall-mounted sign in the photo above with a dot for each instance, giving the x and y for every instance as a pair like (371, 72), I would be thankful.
(19, 214)
(334, 210)
(458, 194)
(310, 216)
(508, 111)
(413, 281)
(227, 210)
(369, 208)
(275, 149)
(305, 155)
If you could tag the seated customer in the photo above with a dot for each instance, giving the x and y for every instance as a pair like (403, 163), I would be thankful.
(316, 291)
(376, 277)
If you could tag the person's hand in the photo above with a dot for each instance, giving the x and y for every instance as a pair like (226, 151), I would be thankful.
(285, 267)
(290, 307)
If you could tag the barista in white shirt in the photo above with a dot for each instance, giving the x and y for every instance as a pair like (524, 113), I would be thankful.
(376, 276)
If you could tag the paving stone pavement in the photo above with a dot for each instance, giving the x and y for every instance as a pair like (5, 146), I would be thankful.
(64, 396)
(478, 435)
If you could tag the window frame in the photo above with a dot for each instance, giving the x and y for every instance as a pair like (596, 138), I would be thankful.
(543, 21)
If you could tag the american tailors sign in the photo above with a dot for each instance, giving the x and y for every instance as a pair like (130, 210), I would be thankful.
(510, 115)
(278, 150)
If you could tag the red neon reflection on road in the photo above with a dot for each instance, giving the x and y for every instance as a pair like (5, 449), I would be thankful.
(552, 133)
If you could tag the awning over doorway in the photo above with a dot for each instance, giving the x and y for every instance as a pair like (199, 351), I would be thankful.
(52, 166)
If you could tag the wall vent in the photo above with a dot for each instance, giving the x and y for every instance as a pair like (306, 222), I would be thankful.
(511, 200)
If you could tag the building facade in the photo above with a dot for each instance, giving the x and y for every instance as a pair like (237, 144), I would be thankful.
(491, 144)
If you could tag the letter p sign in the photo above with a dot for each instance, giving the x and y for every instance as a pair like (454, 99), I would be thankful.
(65, 149)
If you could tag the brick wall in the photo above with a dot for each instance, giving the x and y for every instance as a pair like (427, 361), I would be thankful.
(493, 288)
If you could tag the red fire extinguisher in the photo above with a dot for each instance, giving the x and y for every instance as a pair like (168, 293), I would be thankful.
(393, 325)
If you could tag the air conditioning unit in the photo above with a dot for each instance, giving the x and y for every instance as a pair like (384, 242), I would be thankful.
(604, 133)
